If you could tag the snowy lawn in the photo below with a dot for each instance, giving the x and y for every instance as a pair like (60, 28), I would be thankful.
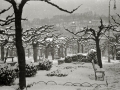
(80, 77)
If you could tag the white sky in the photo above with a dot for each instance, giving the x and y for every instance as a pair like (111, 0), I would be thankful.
(38, 9)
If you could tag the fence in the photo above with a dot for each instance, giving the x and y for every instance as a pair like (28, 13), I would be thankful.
(84, 84)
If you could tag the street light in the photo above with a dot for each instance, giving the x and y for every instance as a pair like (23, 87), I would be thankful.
(113, 8)
(109, 30)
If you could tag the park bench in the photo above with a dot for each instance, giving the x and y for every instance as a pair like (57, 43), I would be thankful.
(98, 72)
(11, 63)
(9, 57)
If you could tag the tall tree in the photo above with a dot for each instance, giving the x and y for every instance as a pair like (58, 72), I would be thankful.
(18, 10)
(95, 35)
(3, 32)
(116, 22)
(7, 39)
(49, 43)
(34, 36)
(63, 42)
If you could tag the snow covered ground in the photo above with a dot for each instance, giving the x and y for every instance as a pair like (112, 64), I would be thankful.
(80, 77)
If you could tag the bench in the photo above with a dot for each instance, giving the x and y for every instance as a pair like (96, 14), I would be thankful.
(11, 63)
(98, 71)
(9, 57)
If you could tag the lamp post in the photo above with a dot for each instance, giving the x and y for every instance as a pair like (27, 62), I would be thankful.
(109, 30)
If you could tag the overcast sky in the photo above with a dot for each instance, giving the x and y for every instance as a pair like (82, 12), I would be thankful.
(38, 9)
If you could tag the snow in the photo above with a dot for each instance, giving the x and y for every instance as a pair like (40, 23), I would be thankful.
(49, 39)
(77, 73)
(62, 38)
(18, 1)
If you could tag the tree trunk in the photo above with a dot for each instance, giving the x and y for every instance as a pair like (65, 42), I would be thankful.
(62, 55)
(28, 52)
(20, 49)
(35, 52)
(46, 52)
(59, 52)
(98, 53)
(82, 49)
(41, 52)
(113, 52)
(2, 52)
(6, 55)
(65, 51)
(52, 53)
(78, 50)
(73, 49)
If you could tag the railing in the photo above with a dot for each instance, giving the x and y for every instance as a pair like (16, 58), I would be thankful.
(84, 84)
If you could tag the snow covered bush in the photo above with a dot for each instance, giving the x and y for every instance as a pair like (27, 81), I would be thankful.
(61, 61)
(68, 59)
(44, 65)
(91, 55)
(7, 75)
(81, 57)
(74, 58)
(30, 68)
(57, 73)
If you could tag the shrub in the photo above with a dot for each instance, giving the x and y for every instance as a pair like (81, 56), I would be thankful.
(74, 58)
(7, 75)
(57, 73)
(44, 65)
(81, 58)
(30, 68)
(92, 55)
(68, 59)
(61, 61)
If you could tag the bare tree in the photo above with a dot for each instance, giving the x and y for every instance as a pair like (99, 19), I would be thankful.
(96, 36)
(64, 42)
(34, 36)
(49, 43)
(18, 10)
(116, 21)
(6, 40)
(3, 32)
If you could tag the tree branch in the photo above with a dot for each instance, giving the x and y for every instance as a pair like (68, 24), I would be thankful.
(35, 34)
(7, 22)
(115, 20)
(118, 15)
(48, 1)
(4, 10)
(9, 16)
(101, 27)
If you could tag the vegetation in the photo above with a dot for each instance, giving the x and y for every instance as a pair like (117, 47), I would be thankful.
(44, 65)
(7, 75)
(18, 10)
(81, 57)
(31, 70)
(57, 73)
(36, 37)
(95, 35)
